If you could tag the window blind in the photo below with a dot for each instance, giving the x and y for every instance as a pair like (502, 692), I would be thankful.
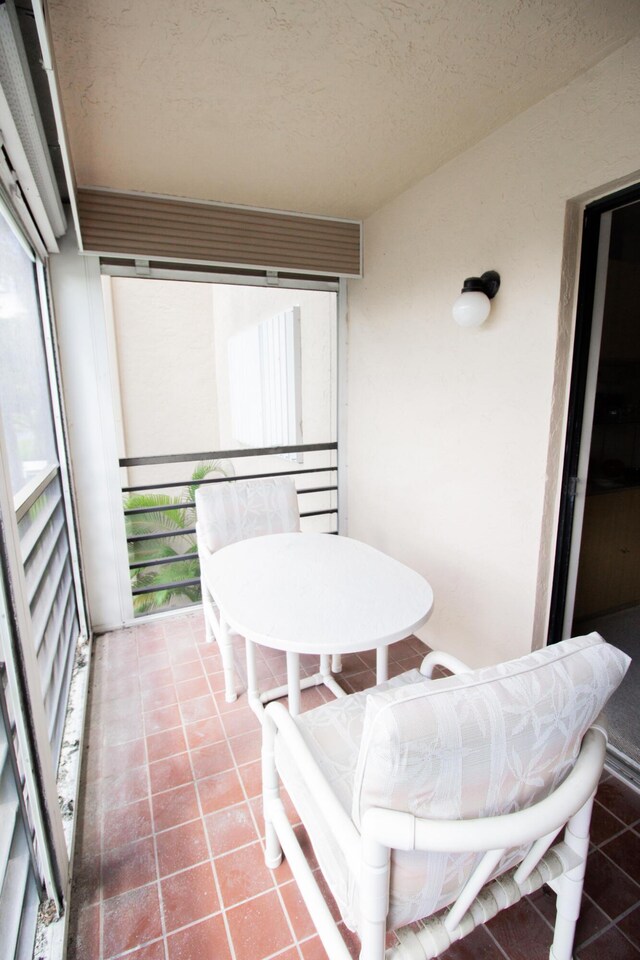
(265, 383)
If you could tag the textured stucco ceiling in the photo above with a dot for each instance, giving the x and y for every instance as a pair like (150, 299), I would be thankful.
(325, 106)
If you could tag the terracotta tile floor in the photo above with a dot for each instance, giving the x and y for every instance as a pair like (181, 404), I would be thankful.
(169, 855)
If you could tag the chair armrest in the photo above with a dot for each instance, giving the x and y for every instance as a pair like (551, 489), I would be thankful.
(332, 810)
(438, 658)
(403, 831)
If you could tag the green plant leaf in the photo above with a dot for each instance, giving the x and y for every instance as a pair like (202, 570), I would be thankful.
(180, 545)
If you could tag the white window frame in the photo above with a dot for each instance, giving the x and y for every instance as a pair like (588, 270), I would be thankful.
(31, 724)
(23, 675)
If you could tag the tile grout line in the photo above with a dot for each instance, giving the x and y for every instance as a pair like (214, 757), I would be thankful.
(163, 924)
(252, 805)
(101, 848)
(107, 664)
(214, 872)
(252, 814)
(258, 832)
(156, 882)
(105, 749)
(541, 914)
(208, 916)
(498, 945)
(283, 906)
(296, 943)
(132, 950)
(611, 925)
(626, 875)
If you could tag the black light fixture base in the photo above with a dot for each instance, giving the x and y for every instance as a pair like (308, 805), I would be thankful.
(491, 281)
(488, 283)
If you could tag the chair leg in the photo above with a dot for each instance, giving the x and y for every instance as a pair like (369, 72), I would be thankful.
(326, 665)
(336, 663)
(293, 682)
(270, 792)
(382, 664)
(569, 886)
(226, 652)
(374, 899)
(207, 609)
(252, 676)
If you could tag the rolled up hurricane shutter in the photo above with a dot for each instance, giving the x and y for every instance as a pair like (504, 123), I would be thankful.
(143, 226)
(28, 188)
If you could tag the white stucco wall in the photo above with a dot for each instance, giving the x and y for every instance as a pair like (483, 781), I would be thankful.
(451, 467)
(236, 308)
(166, 365)
(84, 351)
(170, 360)
(170, 340)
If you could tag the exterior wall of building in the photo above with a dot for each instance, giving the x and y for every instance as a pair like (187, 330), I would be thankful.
(236, 308)
(165, 366)
(170, 362)
(456, 435)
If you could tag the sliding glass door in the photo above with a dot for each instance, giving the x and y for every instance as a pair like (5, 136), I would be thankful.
(40, 616)
(29, 438)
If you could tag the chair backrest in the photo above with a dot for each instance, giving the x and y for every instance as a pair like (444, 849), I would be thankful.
(480, 744)
(240, 509)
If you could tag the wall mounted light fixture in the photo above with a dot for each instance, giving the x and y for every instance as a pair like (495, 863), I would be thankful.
(474, 303)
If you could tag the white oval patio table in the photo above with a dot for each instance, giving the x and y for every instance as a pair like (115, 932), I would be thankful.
(314, 593)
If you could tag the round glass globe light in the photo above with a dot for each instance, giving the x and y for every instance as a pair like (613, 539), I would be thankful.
(471, 308)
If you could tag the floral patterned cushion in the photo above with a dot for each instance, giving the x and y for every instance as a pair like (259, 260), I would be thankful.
(333, 733)
(233, 511)
(490, 741)
(478, 744)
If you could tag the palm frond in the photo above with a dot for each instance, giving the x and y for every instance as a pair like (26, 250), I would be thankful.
(180, 545)
(203, 470)
(164, 598)
(134, 501)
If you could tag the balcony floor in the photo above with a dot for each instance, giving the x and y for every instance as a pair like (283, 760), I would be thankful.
(168, 861)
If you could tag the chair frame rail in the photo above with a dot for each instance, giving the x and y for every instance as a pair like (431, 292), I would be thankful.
(559, 864)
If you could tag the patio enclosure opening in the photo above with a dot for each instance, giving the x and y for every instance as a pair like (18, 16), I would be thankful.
(213, 382)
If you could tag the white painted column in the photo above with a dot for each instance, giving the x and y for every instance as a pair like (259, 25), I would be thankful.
(85, 368)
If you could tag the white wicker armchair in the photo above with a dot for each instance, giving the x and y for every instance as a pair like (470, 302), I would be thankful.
(432, 805)
(232, 511)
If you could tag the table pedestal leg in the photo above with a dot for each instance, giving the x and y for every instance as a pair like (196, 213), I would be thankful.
(252, 677)
(325, 666)
(293, 683)
(326, 675)
(382, 664)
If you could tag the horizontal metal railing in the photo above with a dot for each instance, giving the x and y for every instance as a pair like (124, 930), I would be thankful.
(226, 454)
(245, 476)
(192, 583)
